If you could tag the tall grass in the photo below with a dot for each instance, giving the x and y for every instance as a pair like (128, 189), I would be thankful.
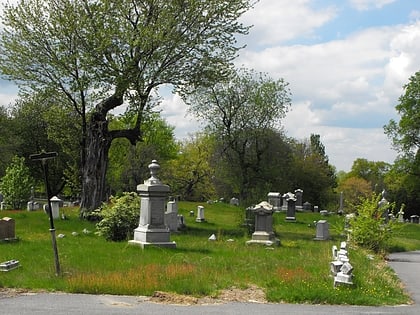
(296, 271)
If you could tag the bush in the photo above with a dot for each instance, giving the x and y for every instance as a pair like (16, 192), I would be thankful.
(120, 217)
(370, 229)
(16, 184)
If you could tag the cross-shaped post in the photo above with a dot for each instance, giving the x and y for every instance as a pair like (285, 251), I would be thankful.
(44, 157)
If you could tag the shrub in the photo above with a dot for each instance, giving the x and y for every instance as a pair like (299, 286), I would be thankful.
(370, 229)
(16, 183)
(120, 217)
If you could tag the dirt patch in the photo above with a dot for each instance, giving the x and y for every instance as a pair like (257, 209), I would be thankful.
(7, 293)
(252, 294)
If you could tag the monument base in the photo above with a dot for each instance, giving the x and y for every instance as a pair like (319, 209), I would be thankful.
(291, 219)
(146, 236)
(156, 244)
(263, 238)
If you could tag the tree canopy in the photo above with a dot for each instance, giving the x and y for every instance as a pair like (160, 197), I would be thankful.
(242, 112)
(405, 134)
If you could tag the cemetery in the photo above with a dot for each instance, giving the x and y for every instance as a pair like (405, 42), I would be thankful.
(279, 246)
(211, 252)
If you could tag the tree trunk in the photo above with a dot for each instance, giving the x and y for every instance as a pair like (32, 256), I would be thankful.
(98, 142)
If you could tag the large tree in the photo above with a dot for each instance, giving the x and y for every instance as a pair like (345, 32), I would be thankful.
(405, 136)
(312, 171)
(101, 54)
(242, 112)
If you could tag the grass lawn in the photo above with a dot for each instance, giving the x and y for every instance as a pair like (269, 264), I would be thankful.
(297, 271)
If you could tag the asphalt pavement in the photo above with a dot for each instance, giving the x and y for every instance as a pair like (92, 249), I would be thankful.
(406, 265)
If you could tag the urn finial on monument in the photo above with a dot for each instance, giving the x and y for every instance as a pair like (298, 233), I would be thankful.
(154, 169)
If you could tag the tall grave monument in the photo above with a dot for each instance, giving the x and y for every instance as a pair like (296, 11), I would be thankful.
(264, 233)
(152, 230)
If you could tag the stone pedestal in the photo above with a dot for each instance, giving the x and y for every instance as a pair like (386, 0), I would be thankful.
(152, 230)
(263, 225)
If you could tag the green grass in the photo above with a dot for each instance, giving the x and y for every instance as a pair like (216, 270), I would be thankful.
(298, 271)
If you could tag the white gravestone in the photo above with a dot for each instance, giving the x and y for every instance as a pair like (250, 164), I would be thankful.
(200, 214)
(171, 216)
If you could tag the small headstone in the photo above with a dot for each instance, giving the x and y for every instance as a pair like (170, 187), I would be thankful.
(299, 199)
(212, 237)
(334, 252)
(335, 267)
(322, 230)
(7, 229)
(171, 216)
(234, 201)
(415, 218)
(181, 222)
(9, 265)
(32, 206)
(200, 214)
(291, 207)
(274, 199)
(3, 205)
(323, 212)
(55, 205)
(307, 206)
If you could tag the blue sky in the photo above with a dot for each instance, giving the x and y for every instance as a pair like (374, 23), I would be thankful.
(346, 62)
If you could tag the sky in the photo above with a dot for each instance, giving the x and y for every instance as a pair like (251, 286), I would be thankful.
(346, 62)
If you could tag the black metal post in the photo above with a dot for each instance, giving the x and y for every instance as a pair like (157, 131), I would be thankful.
(44, 157)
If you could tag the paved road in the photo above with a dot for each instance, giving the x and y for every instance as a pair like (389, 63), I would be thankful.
(406, 265)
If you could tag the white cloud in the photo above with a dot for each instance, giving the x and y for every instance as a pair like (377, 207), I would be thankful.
(369, 4)
(351, 82)
(279, 20)
(174, 110)
(343, 145)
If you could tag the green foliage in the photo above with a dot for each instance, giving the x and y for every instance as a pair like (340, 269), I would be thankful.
(370, 228)
(312, 172)
(16, 183)
(242, 112)
(120, 217)
(354, 190)
(405, 134)
(371, 171)
(128, 164)
(190, 174)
